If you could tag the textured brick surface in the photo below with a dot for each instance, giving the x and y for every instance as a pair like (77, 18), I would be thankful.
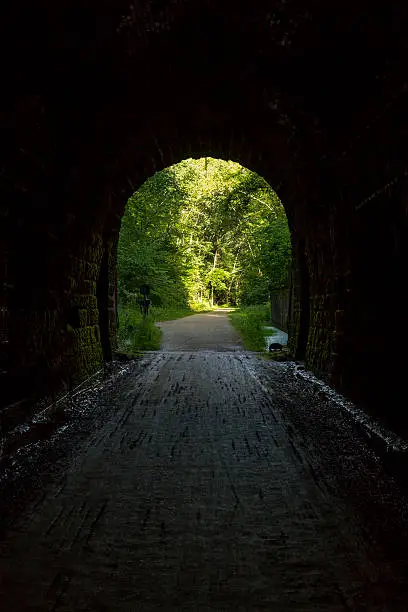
(209, 481)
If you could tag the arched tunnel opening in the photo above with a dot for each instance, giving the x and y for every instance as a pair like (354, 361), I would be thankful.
(200, 234)
(59, 315)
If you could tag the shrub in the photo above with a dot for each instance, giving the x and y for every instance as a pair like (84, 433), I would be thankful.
(249, 322)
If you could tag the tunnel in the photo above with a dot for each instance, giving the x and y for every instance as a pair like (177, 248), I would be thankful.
(98, 97)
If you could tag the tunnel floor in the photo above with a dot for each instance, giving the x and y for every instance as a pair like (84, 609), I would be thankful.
(207, 480)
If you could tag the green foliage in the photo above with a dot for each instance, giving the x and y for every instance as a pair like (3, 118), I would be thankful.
(137, 333)
(218, 278)
(268, 268)
(203, 306)
(203, 231)
(249, 322)
(169, 314)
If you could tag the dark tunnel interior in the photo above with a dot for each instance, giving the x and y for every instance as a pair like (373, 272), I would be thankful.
(100, 96)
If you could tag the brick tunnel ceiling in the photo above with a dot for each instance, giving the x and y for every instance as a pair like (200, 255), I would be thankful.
(312, 97)
(207, 64)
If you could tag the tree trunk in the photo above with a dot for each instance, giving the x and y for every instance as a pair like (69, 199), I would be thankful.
(215, 259)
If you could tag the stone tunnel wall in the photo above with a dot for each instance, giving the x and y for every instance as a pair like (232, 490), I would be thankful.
(356, 263)
(83, 318)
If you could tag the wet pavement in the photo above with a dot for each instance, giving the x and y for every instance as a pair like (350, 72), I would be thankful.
(204, 480)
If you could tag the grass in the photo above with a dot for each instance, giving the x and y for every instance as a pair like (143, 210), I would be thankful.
(169, 314)
(249, 322)
(137, 333)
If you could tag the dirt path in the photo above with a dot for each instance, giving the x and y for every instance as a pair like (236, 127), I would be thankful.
(209, 481)
(207, 331)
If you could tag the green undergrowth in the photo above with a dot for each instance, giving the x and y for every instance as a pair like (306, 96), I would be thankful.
(249, 322)
(137, 333)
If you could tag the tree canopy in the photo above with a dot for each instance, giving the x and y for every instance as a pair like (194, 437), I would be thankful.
(204, 229)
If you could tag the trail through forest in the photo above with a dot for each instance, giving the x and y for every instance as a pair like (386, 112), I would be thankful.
(207, 331)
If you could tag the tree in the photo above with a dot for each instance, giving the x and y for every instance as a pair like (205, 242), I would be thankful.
(203, 229)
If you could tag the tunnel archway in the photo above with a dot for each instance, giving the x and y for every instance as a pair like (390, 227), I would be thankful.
(202, 232)
(80, 140)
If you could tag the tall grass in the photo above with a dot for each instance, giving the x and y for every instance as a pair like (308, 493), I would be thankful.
(249, 321)
(135, 332)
